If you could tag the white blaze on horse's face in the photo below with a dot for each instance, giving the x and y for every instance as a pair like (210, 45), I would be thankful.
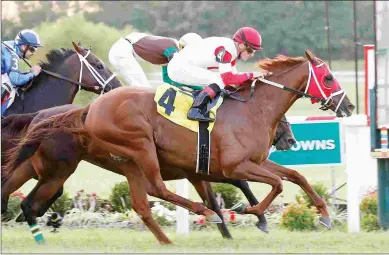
(322, 84)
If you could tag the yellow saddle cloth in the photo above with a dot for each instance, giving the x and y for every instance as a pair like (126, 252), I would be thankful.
(174, 105)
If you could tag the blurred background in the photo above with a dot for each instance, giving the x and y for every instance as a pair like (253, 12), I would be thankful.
(335, 31)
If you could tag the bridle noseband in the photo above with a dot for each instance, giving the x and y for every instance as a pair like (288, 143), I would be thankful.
(93, 71)
(326, 102)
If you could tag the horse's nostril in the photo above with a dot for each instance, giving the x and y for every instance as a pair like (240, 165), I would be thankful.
(291, 141)
(351, 107)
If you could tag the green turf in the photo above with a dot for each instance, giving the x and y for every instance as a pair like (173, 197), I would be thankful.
(247, 240)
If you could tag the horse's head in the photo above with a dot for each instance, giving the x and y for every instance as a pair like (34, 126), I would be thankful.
(284, 139)
(93, 72)
(322, 84)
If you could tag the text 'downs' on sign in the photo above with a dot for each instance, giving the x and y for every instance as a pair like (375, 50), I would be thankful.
(318, 143)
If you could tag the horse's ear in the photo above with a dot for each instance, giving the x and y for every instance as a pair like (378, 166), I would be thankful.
(80, 45)
(312, 58)
(78, 48)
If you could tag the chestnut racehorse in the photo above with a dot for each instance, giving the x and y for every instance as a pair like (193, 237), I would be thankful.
(61, 154)
(125, 123)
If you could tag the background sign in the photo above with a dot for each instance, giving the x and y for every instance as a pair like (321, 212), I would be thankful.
(318, 143)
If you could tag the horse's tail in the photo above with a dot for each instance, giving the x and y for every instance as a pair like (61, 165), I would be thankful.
(12, 128)
(15, 124)
(69, 122)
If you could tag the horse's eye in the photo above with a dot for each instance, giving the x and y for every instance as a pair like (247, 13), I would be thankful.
(100, 66)
(329, 77)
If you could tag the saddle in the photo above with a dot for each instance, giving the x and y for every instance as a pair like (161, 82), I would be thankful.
(174, 102)
(8, 91)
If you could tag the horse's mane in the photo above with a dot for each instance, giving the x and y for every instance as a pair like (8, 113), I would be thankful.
(55, 58)
(279, 61)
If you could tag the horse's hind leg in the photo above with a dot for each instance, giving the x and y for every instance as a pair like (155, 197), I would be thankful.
(205, 191)
(145, 157)
(17, 178)
(295, 177)
(244, 187)
(140, 203)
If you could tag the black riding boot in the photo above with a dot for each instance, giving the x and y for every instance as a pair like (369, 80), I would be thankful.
(199, 106)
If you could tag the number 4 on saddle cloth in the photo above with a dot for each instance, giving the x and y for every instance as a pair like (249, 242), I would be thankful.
(174, 103)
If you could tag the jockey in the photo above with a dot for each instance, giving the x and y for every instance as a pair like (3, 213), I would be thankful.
(24, 46)
(156, 50)
(194, 64)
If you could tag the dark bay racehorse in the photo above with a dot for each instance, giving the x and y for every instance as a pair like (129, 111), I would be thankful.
(72, 70)
(62, 153)
(125, 123)
(48, 91)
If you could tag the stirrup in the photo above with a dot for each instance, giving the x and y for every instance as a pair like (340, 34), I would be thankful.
(195, 114)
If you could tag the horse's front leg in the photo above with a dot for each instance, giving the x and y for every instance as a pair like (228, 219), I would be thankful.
(295, 177)
(244, 187)
(140, 204)
(248, 170)
(42, 192)
(204, 190)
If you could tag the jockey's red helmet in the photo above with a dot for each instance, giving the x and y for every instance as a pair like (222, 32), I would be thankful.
(249, 36)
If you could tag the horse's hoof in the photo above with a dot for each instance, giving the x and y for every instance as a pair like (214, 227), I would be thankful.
(39, 239)
(239, 207)
(21, 217)
(214, 218)
(326, 222)
(262, 226)
(165, 242)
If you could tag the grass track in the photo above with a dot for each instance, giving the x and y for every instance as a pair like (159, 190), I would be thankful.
(248, 240)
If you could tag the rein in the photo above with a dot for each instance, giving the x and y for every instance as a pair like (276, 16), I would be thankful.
(325, 102)
(79, 83)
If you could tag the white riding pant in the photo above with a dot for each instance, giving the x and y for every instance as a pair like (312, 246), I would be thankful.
(184, 72)
(122, 57)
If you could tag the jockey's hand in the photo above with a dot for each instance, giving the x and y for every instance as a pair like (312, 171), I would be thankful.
(261, 75)
(36, 69)
(258, 75)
